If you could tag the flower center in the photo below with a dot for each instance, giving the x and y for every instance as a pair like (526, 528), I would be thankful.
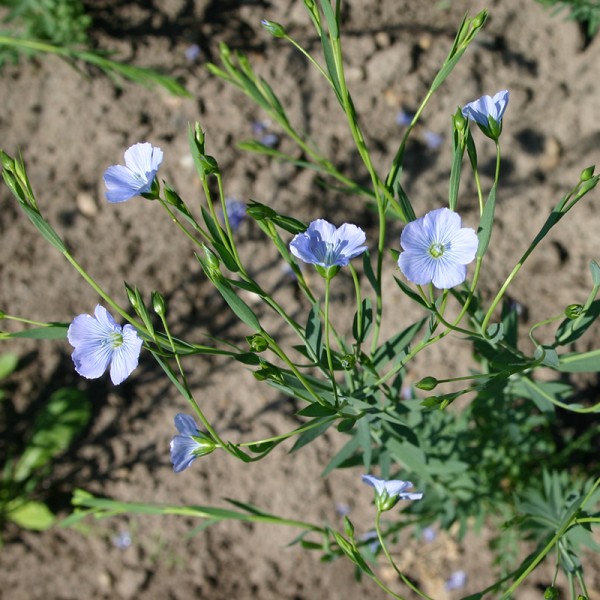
(115, 340)
(436, 250)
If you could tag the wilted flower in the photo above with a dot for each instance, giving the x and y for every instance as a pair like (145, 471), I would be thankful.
(389, 491)
(324, 245)
(189, 444)
(487, 112)
(136, 177)
(437, 249)
(100, 342)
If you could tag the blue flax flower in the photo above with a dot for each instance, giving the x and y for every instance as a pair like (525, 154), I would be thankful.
(389, 491)
(189, 444)
(487, 112)
(236, 212)
(101, 343)
(136, 177)
(324, 245)
(437, 249)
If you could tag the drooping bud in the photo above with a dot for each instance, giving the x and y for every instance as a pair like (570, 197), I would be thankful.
(275, 29)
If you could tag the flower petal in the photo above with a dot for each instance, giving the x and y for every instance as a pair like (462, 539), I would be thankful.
(185, 424)
(143, 158)
(121, 183)
(126, 357)
(182, 452)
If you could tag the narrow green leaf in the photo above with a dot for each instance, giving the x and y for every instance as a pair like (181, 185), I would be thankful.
(364, 437)
(595, 269)
(308, 436)
(44, 228)
(344, 454)
(577, 362)
(484, 233)
(330, 18)
(455, 171)
(411, 293)
(314, 334)
(390, 349)
(331, 68)
(56, 331)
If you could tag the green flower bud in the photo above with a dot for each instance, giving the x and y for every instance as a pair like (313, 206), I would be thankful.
(587, 173)
(212, 262)
(573, 311)
(132, 297)
(257, 342)
(459, 121)
(209, 164)
(158, 303)
(550, 593)
(348, 361)
(275, 29)
(427, 383)
(7, 162)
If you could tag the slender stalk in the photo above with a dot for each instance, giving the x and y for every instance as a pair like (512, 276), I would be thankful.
(328, 342)
(402, 576)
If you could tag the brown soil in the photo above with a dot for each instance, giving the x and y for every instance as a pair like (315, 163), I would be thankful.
(70, 127)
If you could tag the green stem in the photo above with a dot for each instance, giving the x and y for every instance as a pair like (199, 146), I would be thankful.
(328, 343)
(405, 579)
(542, 554)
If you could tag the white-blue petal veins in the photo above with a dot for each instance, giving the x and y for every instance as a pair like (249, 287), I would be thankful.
(101, 343)
(436, 249)
(182, 452)
(141, 165)
(479, 110)
(324, 245)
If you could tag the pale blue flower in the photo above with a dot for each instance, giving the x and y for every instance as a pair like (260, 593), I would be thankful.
(437, 249)
(189, 444)
(457, 580)
(192, 53)
(404, 118)
(487, 112)
(236, 212)
(389, 491)
(101, 343)
(325, 245)
(136, 177)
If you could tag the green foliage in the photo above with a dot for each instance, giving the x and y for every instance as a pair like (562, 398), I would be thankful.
(491, 443)
(29, 461)
(585, 11)
(60, 27)
(59, 22)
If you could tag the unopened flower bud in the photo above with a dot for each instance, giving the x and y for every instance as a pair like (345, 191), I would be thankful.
(550, 593)
(275, 29)
(427, 383)
(587, 173)
(348, 361)
(8, 163)
(132, 297)
(573, 311)
(158, 303)
(257, 342)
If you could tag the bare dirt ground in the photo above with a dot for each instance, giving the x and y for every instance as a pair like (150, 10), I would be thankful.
(70, 128)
